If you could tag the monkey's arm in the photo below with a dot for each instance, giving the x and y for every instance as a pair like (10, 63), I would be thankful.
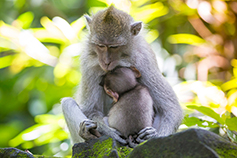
(168, 113)
(92, 100)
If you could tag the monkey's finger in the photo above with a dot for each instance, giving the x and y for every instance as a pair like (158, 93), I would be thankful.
(145, 129)
(121, 140)
(118, 133)
(88, 124)
(130, 142)
(87, 121)
(147, 133)
(139, 140)
(146, 137)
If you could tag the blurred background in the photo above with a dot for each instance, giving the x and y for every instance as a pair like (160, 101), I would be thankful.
(195, 42)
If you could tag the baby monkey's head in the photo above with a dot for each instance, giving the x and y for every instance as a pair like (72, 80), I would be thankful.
(120, 80)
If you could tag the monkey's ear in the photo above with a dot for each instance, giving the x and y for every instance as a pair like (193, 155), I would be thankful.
(136, 27)
(136, 72)
(88, 18)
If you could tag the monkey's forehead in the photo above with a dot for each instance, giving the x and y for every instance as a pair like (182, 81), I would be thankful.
(112, 22)
(112, 28)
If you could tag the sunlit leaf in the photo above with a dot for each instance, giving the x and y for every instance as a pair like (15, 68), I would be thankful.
(151, 36)
(19, 138)
(26, 19)
(47, 118)
(234, 62)
(232, 123)
(149, 12)
(226, 115)
(192, 121)
(52, 29)
(235, 71)
(138, 3)
(229, 85)
(48, 129)
(44, 35)
(78, 25)
(232, 136)
(8, 31)
(5, 61)
(207, 111)
(185, 39)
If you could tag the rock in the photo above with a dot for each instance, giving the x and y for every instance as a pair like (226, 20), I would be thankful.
(104, 147)
(14, 153)
(193, 143)
(95, 147)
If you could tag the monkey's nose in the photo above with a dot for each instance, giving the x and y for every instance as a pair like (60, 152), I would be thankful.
(107, 65)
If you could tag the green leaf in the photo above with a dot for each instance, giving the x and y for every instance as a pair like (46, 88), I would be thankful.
(231, 123)
(26, 19)
(207, 111)
(185, 39)
(5, 61)
(232, 135)
(229, 85)
(192, 121)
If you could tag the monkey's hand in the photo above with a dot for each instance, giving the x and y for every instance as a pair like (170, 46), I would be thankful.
(88, 129)
(145, 134)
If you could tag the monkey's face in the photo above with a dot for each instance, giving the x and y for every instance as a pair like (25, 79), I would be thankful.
(109, 56)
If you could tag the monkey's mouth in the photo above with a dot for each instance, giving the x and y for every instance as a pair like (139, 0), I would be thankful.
(110, 66)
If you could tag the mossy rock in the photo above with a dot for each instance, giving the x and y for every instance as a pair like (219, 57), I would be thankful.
(14, 153)
(192, 143)
(100, 148)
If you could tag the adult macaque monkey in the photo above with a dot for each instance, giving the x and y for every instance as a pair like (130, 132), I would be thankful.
(114, 40)
(132, 103)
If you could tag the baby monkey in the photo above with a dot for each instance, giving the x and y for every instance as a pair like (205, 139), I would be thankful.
(132, 108)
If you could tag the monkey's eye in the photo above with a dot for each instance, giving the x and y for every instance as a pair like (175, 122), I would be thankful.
(114, 47)
(101, 45)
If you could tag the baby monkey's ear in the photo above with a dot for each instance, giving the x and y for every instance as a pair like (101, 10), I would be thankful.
(102, 82)
(136, 72)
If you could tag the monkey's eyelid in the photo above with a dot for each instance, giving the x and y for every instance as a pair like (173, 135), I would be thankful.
(100, 45)
(115, 46)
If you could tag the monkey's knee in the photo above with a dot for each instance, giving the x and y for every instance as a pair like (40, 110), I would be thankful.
(68, 103)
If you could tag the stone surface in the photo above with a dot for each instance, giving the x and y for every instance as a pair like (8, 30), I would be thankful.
(14, 153)
(193, 143)
(95, 147)
(104, 147)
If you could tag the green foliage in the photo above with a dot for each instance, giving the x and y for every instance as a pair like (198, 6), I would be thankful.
(207, 111)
